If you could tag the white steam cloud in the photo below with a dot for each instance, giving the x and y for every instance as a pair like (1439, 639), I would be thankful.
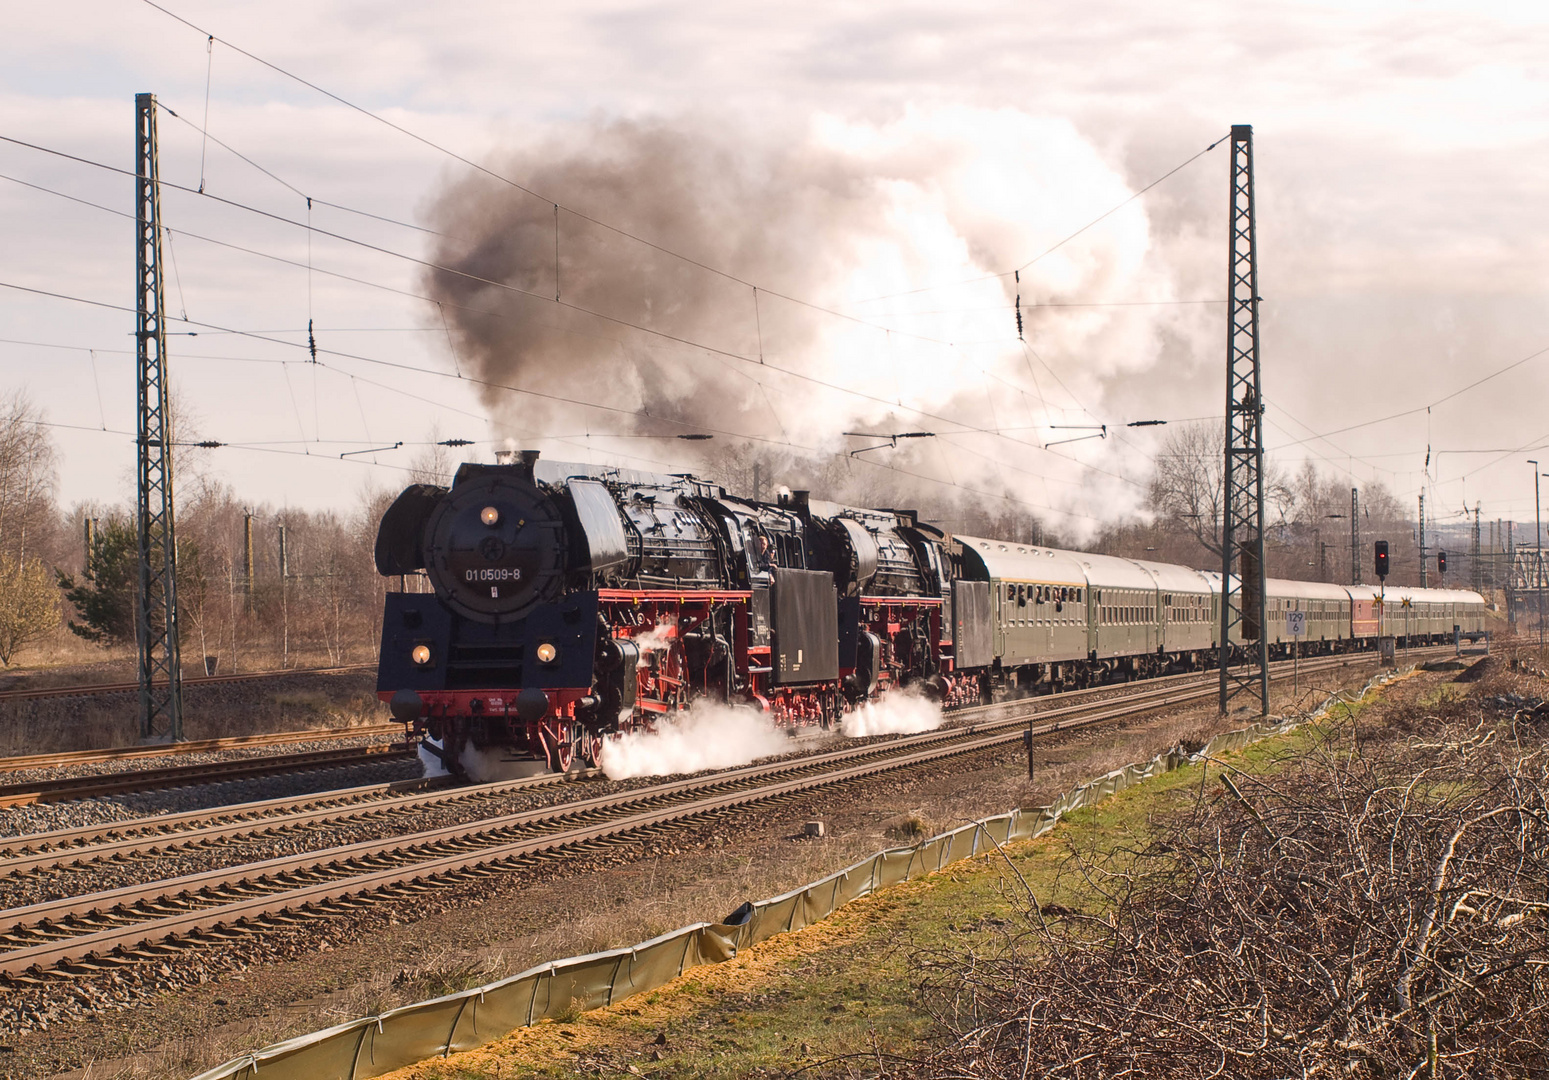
(903, 712)
(705, 736)
(716, 736)
(656, 639)
(906, 231)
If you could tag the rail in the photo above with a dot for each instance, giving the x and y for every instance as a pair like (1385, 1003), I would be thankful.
(86, 787)
(239, 899)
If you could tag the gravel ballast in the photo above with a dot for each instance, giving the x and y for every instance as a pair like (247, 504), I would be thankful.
(211, 1003)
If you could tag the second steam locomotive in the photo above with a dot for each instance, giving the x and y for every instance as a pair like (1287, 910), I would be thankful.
(571, 602)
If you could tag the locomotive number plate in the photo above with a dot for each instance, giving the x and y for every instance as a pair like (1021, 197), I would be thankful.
(496, 573)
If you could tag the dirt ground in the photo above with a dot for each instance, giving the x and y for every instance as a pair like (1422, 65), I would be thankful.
(460, 937)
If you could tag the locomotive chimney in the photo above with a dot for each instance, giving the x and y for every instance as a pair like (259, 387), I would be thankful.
(800, 503)
(529, 458)
(522, 459)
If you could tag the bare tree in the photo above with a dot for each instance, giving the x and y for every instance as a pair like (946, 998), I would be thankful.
(432, 463)
(27, 475)
(1187, 488)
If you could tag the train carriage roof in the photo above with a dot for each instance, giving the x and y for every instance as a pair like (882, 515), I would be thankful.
(1396, 593)
(1305, 590)
(1172, 578)
(1112, 572)
(1006, 560)
(1401, 593)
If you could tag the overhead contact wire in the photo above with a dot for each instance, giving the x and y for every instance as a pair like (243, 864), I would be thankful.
(709, 349)
(566, 400)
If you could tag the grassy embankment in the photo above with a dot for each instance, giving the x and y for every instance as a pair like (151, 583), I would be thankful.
(832, 997)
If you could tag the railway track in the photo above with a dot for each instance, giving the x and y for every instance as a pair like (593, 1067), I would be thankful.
(236, 742)
(163, 829)
(64, 789)
(91, 689)
(159, 836)
(80, 935)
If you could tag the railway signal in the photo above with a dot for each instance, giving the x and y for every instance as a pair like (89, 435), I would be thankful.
(1382, 560)
(1441, 562)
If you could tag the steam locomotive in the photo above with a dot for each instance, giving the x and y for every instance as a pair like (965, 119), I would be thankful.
(570, 602)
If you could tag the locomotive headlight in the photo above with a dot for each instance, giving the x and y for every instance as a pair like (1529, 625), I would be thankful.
(420, 655)
(490, 516)
(547, 653)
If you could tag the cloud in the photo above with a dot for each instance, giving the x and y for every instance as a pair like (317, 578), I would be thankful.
(1396, 146)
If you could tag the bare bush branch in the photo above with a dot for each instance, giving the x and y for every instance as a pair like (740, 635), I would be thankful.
(1378, 908)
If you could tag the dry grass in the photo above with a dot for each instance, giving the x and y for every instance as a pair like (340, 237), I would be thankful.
(1370, 903)
(295, 703)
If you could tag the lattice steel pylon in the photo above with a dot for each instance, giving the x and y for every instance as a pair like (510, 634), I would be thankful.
(1355, 536)
(1242, 531)
(1476, 570)
(156, 623)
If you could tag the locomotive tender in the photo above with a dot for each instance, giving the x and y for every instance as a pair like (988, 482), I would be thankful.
(571, 602)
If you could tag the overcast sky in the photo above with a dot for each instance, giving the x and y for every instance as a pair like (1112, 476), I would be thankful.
(892, 151)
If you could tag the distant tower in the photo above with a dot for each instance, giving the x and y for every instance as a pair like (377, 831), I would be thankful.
(156, 627)
(1355, 536)
(1511, 572)
(1477, 570)
(1242, 533)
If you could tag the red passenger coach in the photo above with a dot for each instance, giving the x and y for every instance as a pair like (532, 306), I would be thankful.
(1365, 613)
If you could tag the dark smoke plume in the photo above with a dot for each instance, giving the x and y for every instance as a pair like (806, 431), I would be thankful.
(855, 218)
(781, 220)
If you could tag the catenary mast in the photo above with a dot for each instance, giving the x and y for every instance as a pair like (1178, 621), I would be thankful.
(156, 625)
